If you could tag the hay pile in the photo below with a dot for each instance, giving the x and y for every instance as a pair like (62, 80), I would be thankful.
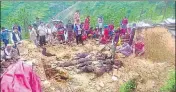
(159, 45)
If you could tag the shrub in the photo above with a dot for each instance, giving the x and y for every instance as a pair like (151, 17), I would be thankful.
(128, 86)
(170, 84)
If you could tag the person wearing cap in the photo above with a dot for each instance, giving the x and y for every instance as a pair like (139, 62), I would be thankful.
(132, 34)
(42, 34)
(10, 52)
(4, 36)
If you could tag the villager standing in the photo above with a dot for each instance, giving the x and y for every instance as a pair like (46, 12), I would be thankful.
(87, 24)
(5, 36)
(33, 35)
(42, 34)
(17, 27)
(100, 25)
(132, 34)
(70, 28)
(78, 32)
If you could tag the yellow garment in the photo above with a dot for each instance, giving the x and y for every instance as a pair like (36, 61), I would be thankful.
(119, 42)
(90, 35)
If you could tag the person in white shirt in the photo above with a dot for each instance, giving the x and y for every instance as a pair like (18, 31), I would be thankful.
(42, 34)
(100, 25)
(33, 35)
(49, 34)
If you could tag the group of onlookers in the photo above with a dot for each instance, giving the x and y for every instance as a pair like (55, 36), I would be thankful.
(56, 32)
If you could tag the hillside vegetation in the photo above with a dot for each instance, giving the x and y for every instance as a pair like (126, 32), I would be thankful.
(24, 13)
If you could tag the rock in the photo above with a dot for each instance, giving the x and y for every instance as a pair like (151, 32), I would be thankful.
(114, 78)
(83, 60)
(98, 88)
(99, 71)
(150, 84)
(46, 83)
(101, 84)
(87, 69)
(84, 64)
(82, 55)
(108, 68)
(101, 47)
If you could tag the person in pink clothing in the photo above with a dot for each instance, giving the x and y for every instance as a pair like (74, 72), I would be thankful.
(124, 25)
(87, 24)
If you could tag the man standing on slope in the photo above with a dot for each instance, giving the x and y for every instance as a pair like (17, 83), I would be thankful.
(42, 34)
(4, 36)
(87, 25)
(100, 25)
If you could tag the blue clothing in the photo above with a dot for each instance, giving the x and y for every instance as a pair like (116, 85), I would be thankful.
(5, 41)
(5, 35)
(76, 29)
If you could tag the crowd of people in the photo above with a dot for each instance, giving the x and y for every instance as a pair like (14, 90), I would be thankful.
(57, 33)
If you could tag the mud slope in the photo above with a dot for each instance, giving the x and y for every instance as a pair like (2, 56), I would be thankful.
(150, 74)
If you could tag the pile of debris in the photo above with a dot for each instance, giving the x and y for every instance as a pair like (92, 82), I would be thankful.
(54, 73)
(98, 63)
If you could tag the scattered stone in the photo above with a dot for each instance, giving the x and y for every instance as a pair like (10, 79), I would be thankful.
(98, 88)
(114, 78)
(101, 84)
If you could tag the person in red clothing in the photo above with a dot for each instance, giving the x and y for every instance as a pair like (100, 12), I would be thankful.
(111, 29)
(124, 25)
(106, 32)
(103, 40)
(139, 47)
(87, 24)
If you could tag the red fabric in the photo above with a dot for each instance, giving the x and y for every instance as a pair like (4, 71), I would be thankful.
(86, 24)
(125, 21)
(139, 45)
(60, 32)
(106, 31)
(111, 27)
(20, 77)
(84, 37)
(103, 40)
(123, 31)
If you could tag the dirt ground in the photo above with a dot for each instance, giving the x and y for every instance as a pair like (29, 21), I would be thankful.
(149, 71)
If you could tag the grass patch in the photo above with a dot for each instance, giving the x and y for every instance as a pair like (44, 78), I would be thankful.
(128, 86)
(170, 83)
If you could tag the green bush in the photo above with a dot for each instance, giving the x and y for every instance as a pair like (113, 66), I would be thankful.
(170, 84)
(128, 86)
